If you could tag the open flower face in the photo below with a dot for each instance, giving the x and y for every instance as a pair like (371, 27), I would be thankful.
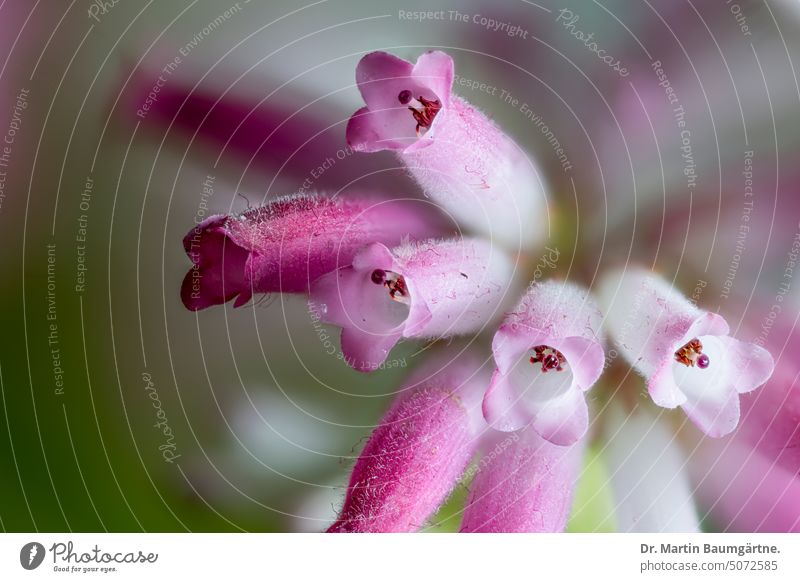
(425, 290)
(686, 354)
(520, 413)
(405, 102)
(460, 158)
(548, 354)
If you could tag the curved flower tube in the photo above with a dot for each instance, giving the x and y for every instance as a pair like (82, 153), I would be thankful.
(288, 243)
(548, 353)
(649, 474)
(524, 484)
(429, 289)
(462, 160)
(416, 455)
(685, 353)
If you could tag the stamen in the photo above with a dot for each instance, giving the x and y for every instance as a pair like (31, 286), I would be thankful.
(392, 281)
(691, 354)
(423, 110)
(550, 358)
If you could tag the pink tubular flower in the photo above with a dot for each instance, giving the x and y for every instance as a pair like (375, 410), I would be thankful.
(684, 352)
(548, 353)
(428, 289)
(288, 243)
(415, 456)
(648, 472)
(523, 484)
(462, 160)
(751, 482)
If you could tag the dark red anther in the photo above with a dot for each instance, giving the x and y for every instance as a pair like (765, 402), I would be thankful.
(550, 362)
(550, 358)
(424, 118)
(404, 97)
(378, 276)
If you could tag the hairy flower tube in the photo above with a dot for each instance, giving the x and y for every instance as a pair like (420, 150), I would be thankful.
(548, 353)
(420, 449)
(288, 243)
(429, 289)
(524, 483)
(520, 411)
(460, 158)
(685, 353)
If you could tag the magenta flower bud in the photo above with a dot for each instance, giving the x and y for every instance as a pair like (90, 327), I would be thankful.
(288, 243)
(548, 353)
(665, 336)
(430, 289)
(523, 484)
(462, 160)
(416, 455)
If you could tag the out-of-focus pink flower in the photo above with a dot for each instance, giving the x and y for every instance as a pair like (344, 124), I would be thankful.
(524, 483)
(286, 135)
(548, 353)
(287, 244)
(752, 481)
(685, 353)
(462, 160)
(415, 456)
(429, 289)
(771, 416)
(648, 473)
(745, 490)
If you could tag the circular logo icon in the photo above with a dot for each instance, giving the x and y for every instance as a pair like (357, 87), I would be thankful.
(31, 555)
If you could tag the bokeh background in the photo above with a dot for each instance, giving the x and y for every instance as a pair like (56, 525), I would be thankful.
(265, 424)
